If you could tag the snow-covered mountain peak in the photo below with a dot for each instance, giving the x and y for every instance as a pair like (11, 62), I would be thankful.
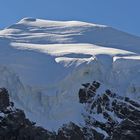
(41, 22)
(40, 31)
(43, 63)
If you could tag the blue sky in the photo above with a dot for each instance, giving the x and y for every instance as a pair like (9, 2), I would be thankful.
(121, 14)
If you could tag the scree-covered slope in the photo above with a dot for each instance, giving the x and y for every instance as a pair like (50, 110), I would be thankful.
(43, 63)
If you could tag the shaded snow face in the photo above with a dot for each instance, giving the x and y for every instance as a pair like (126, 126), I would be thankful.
(43, 64)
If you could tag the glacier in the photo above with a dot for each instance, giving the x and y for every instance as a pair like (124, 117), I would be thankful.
(43, 64)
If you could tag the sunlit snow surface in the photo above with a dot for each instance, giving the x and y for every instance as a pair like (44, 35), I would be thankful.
(43, 64)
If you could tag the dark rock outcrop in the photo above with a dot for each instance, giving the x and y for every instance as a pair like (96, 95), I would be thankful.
(70, 131)
(4, 99)
(117, 117)
(15, 126)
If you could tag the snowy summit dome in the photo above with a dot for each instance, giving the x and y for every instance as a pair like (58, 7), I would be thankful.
(43, 63)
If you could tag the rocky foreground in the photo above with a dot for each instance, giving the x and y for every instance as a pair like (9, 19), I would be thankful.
(107, 116)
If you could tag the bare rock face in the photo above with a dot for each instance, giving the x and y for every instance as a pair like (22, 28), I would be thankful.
(15, 126)
(70, 131)
(117, 117)
(4, 99)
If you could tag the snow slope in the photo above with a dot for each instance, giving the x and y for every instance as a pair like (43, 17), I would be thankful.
(43, 63)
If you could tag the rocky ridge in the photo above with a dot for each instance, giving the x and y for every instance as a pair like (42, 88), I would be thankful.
(117, 117)
(15, 126)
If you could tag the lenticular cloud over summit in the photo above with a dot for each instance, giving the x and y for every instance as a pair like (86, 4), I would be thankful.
(43, 64)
